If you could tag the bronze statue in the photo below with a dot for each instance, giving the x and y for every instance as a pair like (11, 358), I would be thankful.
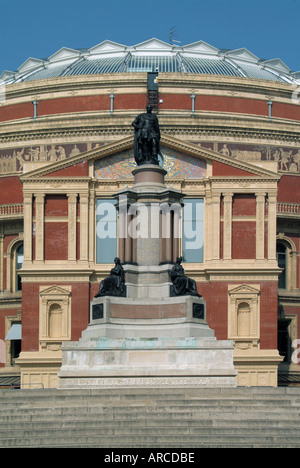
(113, 285)
(146, 138)
(182, 285)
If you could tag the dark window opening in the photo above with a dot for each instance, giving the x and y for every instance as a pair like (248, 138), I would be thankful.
(284, 340)
(19, 263)
(281, 259)
(15, 350)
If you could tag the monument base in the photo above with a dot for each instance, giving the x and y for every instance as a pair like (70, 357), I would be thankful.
(168, 345)
(74, 383)
(147, 362)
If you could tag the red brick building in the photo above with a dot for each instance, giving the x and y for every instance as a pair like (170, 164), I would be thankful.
(230, 138)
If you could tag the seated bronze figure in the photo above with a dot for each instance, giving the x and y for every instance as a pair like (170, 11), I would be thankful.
(114, 284)
(182, 285)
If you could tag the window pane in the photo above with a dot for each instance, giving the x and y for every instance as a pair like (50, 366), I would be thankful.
(20, 256)
(281, 259)
(192, 236)
(106, 231)
(19, 263)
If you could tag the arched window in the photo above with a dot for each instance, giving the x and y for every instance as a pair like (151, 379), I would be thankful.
(281, 253)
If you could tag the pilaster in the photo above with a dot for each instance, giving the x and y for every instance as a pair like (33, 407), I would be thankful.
(227, 226)
(272, 213)
(260, 226)
(27, 227)
(216, 226)
(92, 227)
(40, 226)
(84, 224)
(72, 212)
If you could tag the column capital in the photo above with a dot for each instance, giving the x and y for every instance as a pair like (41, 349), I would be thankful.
(84, 197)
(39, 197)
(260, 195)
(272, 195)
(72, 197)
(27, 197)
(227, 197)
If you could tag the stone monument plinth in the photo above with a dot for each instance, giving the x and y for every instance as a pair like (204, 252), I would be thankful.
(148, 322)
(150, 337)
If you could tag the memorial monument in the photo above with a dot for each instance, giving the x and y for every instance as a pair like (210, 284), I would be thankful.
(148, 322)
(146, 138)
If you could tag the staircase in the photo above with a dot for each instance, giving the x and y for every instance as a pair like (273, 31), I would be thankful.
(151, 418)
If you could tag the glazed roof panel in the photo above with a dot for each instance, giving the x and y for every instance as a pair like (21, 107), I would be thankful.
(150, 56)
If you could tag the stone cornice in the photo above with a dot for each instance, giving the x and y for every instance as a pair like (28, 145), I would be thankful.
(203, 125)
(75, 84)
(124, 81)
(55, 180)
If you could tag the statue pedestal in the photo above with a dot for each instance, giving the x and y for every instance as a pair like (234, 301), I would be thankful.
(150, 337)
(158, 342)
(148, 362)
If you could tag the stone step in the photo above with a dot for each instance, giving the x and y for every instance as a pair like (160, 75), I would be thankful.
(140, 418)
(105, 411)
(155, 414)
(89, 422)
(44, 397)
(103, 429)
(192, 411)
(156, 440)
(247, 392)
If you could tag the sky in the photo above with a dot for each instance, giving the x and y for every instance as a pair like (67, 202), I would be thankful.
(37, 28)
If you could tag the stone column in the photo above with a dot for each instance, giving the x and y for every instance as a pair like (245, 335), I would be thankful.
(27, 227)
(40, 226)
(84, 226)
(208, 224)
(260, 226)
(122, 208)
(72, 213)
(227, 226)
(128, 240)
(216, 226)
(169, 237)
(92, 225)
(162, 250)
(272, 213)
(176, 235)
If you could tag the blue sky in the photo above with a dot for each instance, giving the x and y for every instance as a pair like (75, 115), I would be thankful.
(38, 28)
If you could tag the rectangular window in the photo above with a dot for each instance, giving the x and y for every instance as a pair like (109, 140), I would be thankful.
(193, 230)
(19, 263)
(281, 259)
(106, 231)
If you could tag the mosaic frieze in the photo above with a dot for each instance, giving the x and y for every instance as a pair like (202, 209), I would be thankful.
(177, 165)
(288, 160)
(13, 160)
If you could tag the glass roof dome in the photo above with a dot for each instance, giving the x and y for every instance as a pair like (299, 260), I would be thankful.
(152, 56)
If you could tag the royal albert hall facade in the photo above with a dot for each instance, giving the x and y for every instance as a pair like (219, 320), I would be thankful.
(230, 137)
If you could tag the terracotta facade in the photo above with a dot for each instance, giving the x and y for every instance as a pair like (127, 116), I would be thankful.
(245, 166)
